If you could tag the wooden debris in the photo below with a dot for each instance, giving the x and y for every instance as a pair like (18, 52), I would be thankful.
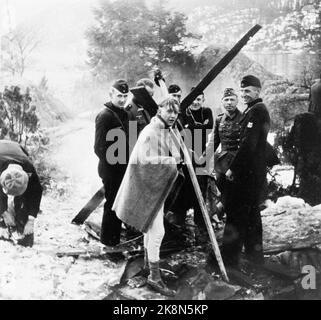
(89, 207)
(274, 249)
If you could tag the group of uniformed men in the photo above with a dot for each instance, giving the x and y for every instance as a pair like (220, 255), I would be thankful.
(136, 190)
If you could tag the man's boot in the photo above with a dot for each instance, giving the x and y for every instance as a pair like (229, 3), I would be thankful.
(27, 240)
(140, 279)
(155, 282)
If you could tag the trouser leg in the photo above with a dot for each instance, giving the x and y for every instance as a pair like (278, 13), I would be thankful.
(237, 211)
(234, 234)
(111, 225)
(154, 236)
(253, 242)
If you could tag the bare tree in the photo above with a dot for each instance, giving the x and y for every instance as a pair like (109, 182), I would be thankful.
(18, 46)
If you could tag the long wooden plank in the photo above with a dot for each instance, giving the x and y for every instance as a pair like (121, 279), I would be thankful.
(89, 207)
(218, 68)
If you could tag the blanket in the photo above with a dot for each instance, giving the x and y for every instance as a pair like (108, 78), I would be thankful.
(150, 175)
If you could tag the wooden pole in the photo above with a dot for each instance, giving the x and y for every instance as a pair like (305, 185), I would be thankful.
(200, 199)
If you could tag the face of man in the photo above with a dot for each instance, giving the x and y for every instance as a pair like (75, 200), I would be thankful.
(150, 90)
(229, 103)
(198, 102)
(176, 95)
(117, 98)
(168, 114)
(249, 94)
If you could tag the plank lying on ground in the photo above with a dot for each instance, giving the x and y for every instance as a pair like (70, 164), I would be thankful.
(100, 253)
(97, 254)
(89, 207)
(291, 247)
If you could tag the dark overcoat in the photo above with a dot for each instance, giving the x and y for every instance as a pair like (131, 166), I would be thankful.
(108, 119)
(250, 162)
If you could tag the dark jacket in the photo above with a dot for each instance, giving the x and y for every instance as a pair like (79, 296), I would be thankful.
(29, 202)
(250, 159)
(202, 120)
(110, 118)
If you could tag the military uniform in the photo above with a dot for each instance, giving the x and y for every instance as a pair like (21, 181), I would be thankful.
(226, 132)
(249, 167)
(111, 117)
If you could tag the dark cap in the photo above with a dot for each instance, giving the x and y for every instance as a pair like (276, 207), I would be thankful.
(250, 81)
(201, 93)
(228, 92)
(121, 86)
(174, 88)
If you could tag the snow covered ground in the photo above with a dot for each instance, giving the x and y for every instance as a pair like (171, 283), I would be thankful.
(37, 273)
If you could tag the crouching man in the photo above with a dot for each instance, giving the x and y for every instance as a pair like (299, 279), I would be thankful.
(150, 175)
(20, 192)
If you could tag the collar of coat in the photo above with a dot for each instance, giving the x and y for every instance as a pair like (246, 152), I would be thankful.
(251, 104)
(234, 114)
(114, 108)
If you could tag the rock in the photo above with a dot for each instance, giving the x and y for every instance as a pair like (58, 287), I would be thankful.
(317, 208)
(220, 290)
(285, 257)
(290, 202)
(259, 296)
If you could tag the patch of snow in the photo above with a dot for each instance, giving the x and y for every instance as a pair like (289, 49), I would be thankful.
(290, 202)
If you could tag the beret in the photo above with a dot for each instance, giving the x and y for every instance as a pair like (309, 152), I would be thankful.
(14, 180)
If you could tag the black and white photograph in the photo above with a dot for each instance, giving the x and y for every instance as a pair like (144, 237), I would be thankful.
(160, 150)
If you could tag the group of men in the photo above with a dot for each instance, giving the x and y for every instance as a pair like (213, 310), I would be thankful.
(141, 179)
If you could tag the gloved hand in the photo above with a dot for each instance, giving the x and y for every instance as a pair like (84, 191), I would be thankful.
(180, 165)
(158, 76)
(229, 175)
(29, 227)
(8, 219)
